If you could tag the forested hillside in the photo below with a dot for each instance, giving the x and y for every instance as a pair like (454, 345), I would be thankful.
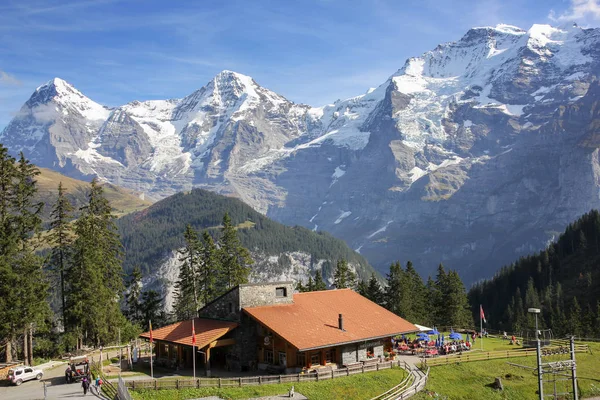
(149, 236)
(563, 280)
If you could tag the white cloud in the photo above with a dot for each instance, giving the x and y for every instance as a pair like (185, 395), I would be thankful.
(8, 79)
(586, 11)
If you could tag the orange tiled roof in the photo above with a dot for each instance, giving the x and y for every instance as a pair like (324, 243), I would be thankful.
(312, 320)
(207, 331)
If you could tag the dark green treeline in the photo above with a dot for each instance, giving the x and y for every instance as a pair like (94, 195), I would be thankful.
(562, 280)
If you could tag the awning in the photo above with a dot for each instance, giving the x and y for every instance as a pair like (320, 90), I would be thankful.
(422, 328)
(207, 331)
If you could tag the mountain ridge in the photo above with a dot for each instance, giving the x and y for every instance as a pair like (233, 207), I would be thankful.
(374, 169)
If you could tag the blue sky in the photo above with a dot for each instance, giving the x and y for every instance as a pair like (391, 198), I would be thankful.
(309, 51)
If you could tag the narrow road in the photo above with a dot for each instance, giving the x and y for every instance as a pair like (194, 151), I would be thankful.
(56, 388)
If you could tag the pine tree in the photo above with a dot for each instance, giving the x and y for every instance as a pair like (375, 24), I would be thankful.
(310, 286)
(415, 295)
(208, 269)
(456, 303)
(393, 289)
(95, 279)
(362, 288)
(9, 299)
(343, 276)
(132, 300)
(575, 327)
(318, 283)
(235, 259)
(61, 238)
(23, 287)
(186, 303)
(374, 291)
(151, 306)
(439, 296)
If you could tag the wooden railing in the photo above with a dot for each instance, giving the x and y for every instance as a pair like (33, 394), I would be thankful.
(168, 383)
(473, 355)
(409, 386)
(108, 389)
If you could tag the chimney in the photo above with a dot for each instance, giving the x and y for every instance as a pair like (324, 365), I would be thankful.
(341, 322)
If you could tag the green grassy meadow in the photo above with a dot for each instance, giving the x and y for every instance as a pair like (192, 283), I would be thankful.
(362, 386)
(470, 380)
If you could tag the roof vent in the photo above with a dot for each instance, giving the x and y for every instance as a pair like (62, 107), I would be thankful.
(341, 322)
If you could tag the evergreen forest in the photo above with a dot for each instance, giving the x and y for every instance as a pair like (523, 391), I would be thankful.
(562, 280)
(149, 236)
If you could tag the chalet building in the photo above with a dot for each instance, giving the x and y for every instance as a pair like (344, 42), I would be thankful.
(269, 327)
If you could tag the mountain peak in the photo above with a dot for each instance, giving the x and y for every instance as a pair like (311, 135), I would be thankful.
(57, 84)
(240, 83)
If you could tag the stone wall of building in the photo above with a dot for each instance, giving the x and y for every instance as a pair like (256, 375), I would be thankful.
(229, 307)
(263, 294)
(356, 352)
(225, 307)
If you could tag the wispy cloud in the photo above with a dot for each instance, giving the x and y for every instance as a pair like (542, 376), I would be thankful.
(8, 79)
(583, 11)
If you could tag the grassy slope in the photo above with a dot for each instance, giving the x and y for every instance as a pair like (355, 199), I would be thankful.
(122, 200)
(471, 380)
(364, 386)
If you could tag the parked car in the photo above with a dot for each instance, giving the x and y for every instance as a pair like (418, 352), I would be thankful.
(18, 375)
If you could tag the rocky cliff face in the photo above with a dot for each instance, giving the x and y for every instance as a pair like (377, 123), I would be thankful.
(472, 154)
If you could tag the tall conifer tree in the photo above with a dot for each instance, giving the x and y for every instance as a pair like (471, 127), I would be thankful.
(95, 279)
(235, 259)
(61, 238)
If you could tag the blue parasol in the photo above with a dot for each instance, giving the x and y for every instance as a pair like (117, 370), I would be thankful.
(455, 336)
(422, 336)
(433, 332)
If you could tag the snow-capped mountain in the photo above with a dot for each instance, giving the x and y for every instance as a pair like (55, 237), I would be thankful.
(468, 154)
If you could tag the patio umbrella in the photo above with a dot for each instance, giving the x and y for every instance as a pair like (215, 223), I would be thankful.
(467, 338)
(455, 336)
(422, 336)
(433, 332)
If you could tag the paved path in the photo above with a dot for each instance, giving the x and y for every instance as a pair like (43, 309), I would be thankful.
(56, 388)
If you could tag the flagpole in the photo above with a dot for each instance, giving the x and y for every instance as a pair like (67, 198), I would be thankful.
(194, 347)
(151, 345)
(481, 325)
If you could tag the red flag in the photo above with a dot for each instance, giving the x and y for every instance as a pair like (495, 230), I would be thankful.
(193, 333)
(481, 314)
(151, 339)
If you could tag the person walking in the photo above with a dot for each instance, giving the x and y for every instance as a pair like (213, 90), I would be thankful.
(99, 384)
(85, 384)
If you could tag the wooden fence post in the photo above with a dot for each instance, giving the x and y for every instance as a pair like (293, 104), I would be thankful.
(279, 378)
(155, 384)
(176, 383)
(363, 368)
(377, 367)
(298, 377)
(240, 381)
(260, 380)
(347, 371)
(198, 383)
(219, 382)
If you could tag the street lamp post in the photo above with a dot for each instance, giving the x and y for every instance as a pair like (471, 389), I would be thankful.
(536, 311)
